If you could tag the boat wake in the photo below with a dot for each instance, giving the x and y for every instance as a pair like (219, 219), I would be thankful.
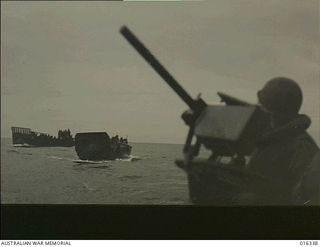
(21, 145)
(130, 158)
(59, 158)
(91, 161)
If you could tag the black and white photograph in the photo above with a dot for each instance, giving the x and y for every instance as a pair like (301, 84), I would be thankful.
(160, 103)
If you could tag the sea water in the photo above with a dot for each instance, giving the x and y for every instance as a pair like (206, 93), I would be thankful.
(51, 175)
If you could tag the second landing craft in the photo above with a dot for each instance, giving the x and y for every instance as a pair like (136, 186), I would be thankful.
(97, 146)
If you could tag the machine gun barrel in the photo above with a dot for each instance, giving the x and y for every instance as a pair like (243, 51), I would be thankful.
(196, 105)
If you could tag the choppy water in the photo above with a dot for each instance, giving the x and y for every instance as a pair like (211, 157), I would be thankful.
(50, 175)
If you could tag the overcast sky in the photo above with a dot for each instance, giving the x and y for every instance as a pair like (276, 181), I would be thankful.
(65, 64)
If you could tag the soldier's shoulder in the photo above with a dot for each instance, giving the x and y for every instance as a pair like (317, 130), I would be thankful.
(305, 139)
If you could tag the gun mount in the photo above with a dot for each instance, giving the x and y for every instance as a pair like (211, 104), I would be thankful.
(231, 130)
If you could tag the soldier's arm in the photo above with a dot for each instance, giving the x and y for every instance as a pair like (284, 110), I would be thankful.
(304, 171)
(310, 182)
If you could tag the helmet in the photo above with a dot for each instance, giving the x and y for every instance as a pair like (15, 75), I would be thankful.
(281, 96)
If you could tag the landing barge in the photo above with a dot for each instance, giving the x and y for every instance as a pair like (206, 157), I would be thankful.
(96, 146)
(25, 137)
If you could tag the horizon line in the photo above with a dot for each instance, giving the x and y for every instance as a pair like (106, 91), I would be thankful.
(147, 142)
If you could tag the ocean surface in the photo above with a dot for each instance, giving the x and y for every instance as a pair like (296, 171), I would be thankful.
(50, 175)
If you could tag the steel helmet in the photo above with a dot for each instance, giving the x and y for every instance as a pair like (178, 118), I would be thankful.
(281, 96)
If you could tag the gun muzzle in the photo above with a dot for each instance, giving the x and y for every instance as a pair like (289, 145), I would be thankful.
(157, 66)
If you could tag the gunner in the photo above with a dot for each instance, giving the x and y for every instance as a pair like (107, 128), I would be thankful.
(287, 154)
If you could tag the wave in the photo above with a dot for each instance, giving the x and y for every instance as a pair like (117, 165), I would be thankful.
(59, 158)
(21, 145)
(130, 158)
(91, 161)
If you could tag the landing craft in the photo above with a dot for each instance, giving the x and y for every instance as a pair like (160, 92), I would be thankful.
(97, 146)
(25, 137)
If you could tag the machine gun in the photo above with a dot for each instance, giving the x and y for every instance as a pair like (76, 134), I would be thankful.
(230, 130)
